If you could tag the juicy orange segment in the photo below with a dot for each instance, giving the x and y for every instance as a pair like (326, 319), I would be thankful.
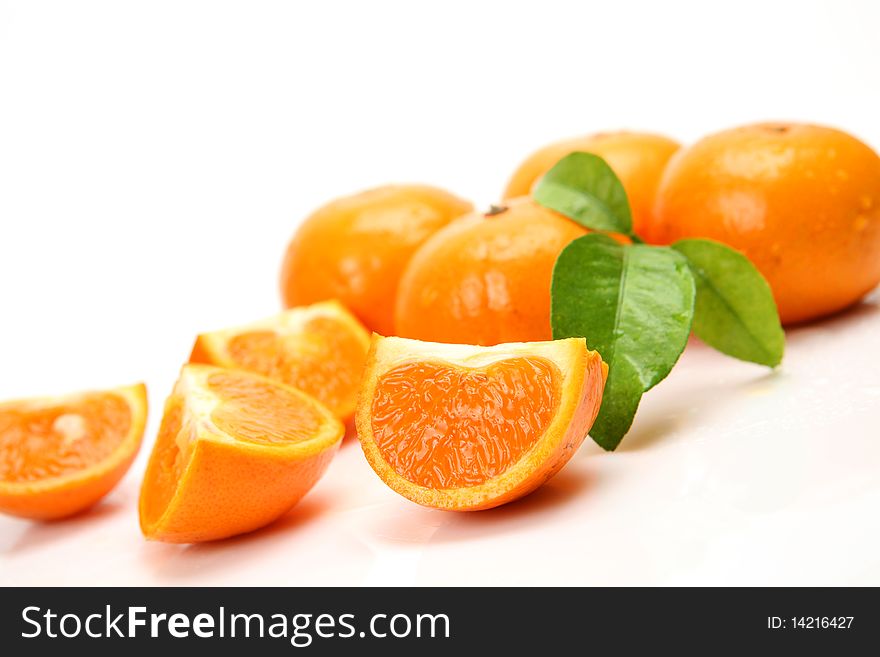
(464, 428)
(235, 451)
(60, 455)
(320, 349)
(474, 423)
(260, 414)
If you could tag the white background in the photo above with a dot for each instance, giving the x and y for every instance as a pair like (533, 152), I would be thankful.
(155, 157)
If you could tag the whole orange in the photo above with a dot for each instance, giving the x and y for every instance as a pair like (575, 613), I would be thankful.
(638, 159)
(485, 279)
(801, 201)
(354, 249)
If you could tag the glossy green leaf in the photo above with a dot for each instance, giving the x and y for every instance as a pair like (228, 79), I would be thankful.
(634, 305)
(584, 188)
(735, 312)
(620, 401)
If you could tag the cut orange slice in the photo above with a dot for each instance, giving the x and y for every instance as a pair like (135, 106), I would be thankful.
(320, 349)
(465, 428)
(60, 455)
(235, 451)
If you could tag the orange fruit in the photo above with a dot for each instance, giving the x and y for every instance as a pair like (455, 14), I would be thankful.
(801, 201)
(235, 451)
(60, 455)
(464, 428)
(355, 248)
(638, 159)
(320, 349)
(485, 279)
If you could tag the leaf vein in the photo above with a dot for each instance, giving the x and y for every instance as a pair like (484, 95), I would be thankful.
(621, 291)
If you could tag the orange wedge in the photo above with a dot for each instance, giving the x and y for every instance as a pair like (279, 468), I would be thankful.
(60, 455)
(465, 428)
(235, 451)
(320, 349)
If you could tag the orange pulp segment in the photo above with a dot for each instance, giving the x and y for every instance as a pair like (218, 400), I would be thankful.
(235, 451)
(320, 349)
(60, 455)
(462, 427)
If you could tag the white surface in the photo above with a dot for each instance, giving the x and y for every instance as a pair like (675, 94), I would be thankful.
(731, 475)
(155, 158)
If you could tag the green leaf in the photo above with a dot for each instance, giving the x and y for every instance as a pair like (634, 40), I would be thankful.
(735, 312)
(634, 305)
(633, 301)
(620, 401)
(584, 188)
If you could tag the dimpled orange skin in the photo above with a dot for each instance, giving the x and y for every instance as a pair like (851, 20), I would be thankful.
(485, 279)
(355, 248)
(229, 462)
(801, 201)
(638, 159)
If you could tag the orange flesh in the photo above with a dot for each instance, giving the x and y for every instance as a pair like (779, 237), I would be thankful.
(259, 413)
(42, 443)
(442, 426)
(307, 360)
